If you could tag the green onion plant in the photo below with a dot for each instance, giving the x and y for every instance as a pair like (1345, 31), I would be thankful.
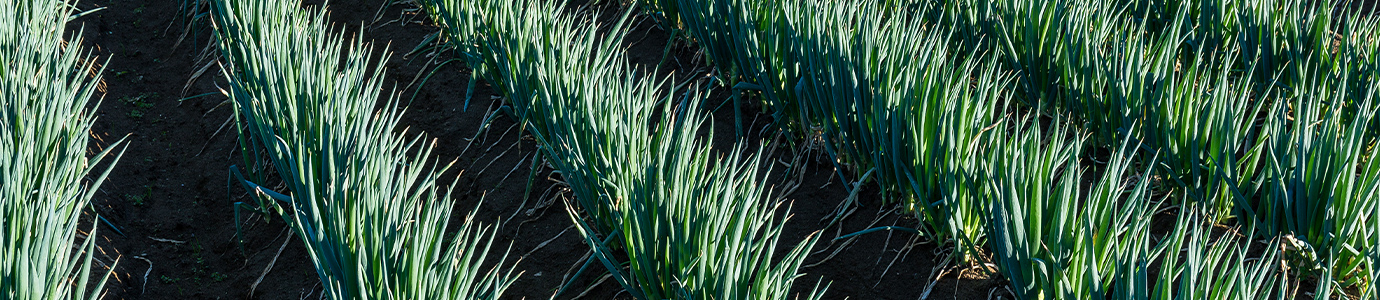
(1109, 69)
(1320, 179)
(1373, 262)
(575, 93)
(729, 31)
(1050, 238)
(364, 200)
(1202, 124)
(1197, 266)
(461, 22)
(748, 43)
(773, 62)
(1190, 106)
(894, 104)
(697, 227)
(1280, 36)
(45, 84)
(1028, 37)
(640, 176)
(666, 13)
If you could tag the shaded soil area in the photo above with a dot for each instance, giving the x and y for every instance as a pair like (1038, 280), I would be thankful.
(168, 210)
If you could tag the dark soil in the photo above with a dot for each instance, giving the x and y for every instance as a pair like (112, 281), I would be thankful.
(172, 206)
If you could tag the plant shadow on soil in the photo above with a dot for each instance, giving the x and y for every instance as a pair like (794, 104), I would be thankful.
(172, 206)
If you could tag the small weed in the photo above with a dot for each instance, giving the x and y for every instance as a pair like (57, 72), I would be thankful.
(138, 11)
(200, 269)
(168, 280)
(141, 104)
(196, 252)
(218, 277)
(135, 200)
(138, 200)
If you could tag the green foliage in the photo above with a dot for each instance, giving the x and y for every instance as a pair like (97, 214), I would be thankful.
(666, 13)
(1193, 108)
(887, 83)
(461, 22)
(1255, 109)
(1319, 178)
(1050, 238)
(1111, 71)
(364, 200)
(728, 31)
(45, 84)
(1281, 36)
(1201, 123)
(1028, 37)
(775, 68)
(696, 227)
(1373, 262)
(1196, 266)
(575, 95)
(642, 179)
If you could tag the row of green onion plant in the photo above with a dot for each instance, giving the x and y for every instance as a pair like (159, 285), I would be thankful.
(1048, 235)
(1277, 44)
(1058, 46)
(1320, 178)
(1109, 69)
(1194, 265)
(1025, 35)
(1190, 106)
(569, 86)
(1279, 36)
(1142, 46)
(745, 42)
(896, 106)
(46, 83)
(691, 226)
(1202, 123)
(1196, 111)
(364, 200)
(882, 78)
(1097, 61)
(730, 32)
(1163, 74)
(749, 44)
(1306, 173)
(695, 226)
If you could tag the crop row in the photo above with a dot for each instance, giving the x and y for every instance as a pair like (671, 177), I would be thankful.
(1253, 114)
(1041, 140)
(363, 199)
(46, 82)
(691, 226)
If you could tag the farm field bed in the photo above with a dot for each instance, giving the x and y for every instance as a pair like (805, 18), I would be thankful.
(179, 197)
(167, 212)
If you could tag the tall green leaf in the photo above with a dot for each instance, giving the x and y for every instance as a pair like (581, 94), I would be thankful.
(46, 82)
(364, 200)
